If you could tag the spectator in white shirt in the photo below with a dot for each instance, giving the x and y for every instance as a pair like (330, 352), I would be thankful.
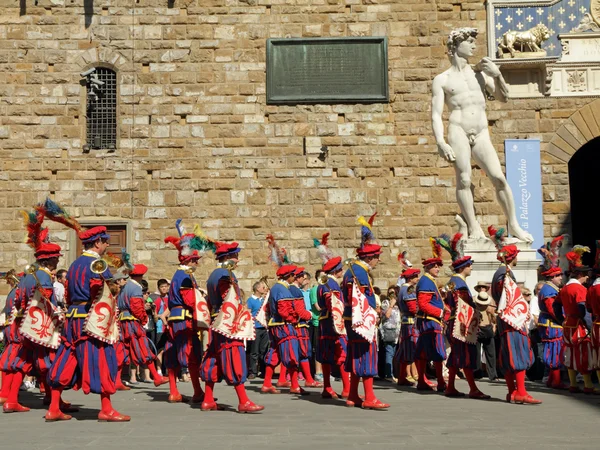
(536, 371)
(59, 287)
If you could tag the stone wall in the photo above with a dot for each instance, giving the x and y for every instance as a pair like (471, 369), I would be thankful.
(197, 140)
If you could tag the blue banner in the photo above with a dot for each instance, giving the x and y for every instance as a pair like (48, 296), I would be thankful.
(524, 176)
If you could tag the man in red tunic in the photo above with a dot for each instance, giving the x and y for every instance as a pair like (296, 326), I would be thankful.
(593, 306)
(577, 343)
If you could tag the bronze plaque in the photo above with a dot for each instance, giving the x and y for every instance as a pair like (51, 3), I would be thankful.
(327, 70)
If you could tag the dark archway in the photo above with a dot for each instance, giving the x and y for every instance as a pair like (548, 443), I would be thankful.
(584, 182)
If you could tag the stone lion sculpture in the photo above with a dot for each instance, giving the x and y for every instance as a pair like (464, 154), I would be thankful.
(529, 39)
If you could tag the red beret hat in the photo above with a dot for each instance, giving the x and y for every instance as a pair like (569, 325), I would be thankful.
(432, 261)
(224, 250)
(552, 272)
(93, 234)
(510, 252)
(369, 250)
(138, 270)
(299, 271)
(333, 265)
(194, 256)
(285, 271)
(409, 273)
(47, 251)
(462, 262)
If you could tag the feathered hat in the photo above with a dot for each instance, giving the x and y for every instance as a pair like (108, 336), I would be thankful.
(574, 258)
(183, 244)
(436, 251)
(57, 213)
(551, 253)
(38, 237)
(506, 253)
(597, 259)
(451, 246)
(407, 268)
(367, 247)
(279, 257)
(331, 263)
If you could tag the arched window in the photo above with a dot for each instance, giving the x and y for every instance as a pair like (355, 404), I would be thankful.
(101, 109)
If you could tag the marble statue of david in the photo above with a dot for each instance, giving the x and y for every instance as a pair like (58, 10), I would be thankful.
(463, 90)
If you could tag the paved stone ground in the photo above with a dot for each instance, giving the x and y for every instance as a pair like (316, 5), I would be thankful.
(417, 421)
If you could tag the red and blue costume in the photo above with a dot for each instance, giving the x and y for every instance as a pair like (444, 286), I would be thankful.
(22, 356)
(333, 347)
(550, 329)
(462, 355)
(183, 347)
(430, 343)
(302, 332)
(81, 360)
(361, 355)
(407, 344)
(226, 356)
(283, 325)
(28, 355)
(10, 339)
(593, 306)
(132, 319)
(577, 343)
(515, 350)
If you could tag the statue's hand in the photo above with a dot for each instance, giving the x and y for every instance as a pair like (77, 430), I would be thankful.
(489, 68)
(446, 152)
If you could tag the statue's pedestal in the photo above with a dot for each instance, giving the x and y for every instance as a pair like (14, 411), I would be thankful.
(485, 263)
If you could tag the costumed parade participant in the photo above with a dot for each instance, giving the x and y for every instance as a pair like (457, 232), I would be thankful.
(549, 327)
(333, 340)
(513, 316)
(87, 357)
(286, 312)
(36, 304)
(302, 329)
(462, 327)
(273, 321)
(570, 309)
(132, 319)
(407, 303)
(231, 326)
(430, 306)
(360, 320)
(593, 306)
(10, 334)
(115, 286)
(188, 313)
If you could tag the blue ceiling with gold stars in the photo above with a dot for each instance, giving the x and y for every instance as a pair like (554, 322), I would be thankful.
(560, 18)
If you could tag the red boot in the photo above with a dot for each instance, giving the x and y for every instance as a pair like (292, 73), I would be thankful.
(160, 381)
(269, 390)
(374, 404)
(177, 398)
(56, 416)
(211, 406)
(14, 407)
(526, 399)
(112, 416)
(249, 407)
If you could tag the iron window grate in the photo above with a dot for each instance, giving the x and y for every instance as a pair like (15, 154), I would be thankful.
(102, 110)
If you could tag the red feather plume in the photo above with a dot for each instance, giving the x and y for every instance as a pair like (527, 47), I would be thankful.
(372, 219)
